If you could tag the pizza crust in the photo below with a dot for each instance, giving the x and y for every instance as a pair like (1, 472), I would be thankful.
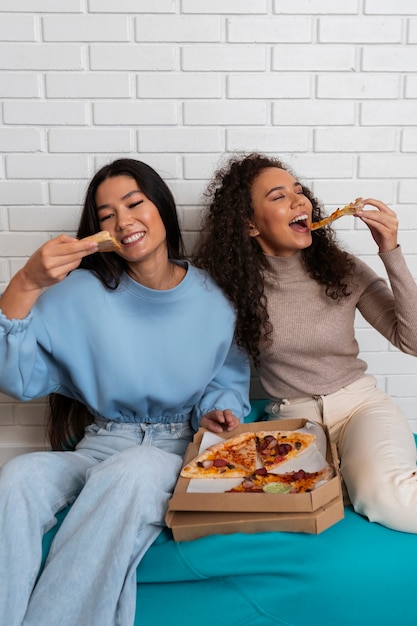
(105, 241)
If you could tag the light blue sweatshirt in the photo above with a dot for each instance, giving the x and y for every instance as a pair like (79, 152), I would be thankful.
(132, 354)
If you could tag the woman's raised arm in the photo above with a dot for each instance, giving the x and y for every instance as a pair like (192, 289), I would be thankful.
(50, 264)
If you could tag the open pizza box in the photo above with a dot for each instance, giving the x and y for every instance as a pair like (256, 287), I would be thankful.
(200, 507)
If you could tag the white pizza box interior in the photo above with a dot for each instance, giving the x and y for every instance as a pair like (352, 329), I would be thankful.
(200, 507)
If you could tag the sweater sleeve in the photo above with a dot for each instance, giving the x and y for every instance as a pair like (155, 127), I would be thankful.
(26, 368)
(229, 389)
(393, 312)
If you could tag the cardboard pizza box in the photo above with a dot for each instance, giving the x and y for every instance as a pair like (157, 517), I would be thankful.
(187, 526)
(191, 515)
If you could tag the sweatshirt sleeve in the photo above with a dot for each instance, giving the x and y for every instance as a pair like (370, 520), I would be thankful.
(26, 369)
(393, 312)
(229, 389)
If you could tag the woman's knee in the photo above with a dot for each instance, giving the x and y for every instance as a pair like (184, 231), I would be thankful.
(389, 499)
(137, 466)
(45, 479)
(22, 470)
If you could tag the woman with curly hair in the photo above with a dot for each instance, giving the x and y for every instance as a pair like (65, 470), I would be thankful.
(296, 293)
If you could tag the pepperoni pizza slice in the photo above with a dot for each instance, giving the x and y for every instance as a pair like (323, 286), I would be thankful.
(291, 482)
(276, 447)
(232, 458)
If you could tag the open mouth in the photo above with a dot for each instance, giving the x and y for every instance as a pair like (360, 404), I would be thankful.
(299, 223)
(132, 238)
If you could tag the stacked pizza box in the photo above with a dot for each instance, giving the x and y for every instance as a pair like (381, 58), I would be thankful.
(202, 505)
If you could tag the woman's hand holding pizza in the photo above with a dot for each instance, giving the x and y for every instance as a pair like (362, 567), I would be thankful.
(383, 224)
(50, 264)
(217, 421)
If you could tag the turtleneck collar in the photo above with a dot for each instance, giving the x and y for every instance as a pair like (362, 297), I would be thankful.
(286, 269)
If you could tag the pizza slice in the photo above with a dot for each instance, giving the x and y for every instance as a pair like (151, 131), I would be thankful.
(106, 243)
(291, 482)
(232, 458)
(277, 447)
(349, 209)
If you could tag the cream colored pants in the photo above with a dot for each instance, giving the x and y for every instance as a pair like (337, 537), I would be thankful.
(376, 449)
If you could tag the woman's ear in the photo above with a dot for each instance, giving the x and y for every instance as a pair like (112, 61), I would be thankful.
(252, 230)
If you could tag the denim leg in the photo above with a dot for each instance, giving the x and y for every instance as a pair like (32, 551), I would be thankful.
(90, 574)
(33, 488)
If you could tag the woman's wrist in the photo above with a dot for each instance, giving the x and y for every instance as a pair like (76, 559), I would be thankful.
(19, 296)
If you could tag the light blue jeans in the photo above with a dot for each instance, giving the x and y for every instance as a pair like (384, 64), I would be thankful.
(119, 480)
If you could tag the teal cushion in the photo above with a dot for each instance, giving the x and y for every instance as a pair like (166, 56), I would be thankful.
(257, 413)
(355, 572)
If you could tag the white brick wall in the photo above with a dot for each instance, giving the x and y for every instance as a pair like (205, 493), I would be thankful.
(328, 85)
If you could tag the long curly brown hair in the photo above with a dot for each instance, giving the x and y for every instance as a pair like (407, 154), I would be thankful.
(67, 418)
(236, 261)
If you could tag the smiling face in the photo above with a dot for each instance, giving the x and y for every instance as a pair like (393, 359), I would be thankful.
(132, 219)
(282, 213)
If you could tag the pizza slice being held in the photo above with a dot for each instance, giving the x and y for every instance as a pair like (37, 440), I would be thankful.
(232, 458)
(291, 482)
(277, 447)
(349, 209)
(106, 243)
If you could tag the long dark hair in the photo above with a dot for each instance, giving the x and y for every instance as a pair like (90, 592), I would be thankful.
(236, 261)
(67, 418)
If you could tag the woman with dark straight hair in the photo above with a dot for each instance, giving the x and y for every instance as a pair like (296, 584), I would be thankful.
(135, 348)
(67, 417)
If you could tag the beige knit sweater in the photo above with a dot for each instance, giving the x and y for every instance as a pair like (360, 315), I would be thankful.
(314, 349)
